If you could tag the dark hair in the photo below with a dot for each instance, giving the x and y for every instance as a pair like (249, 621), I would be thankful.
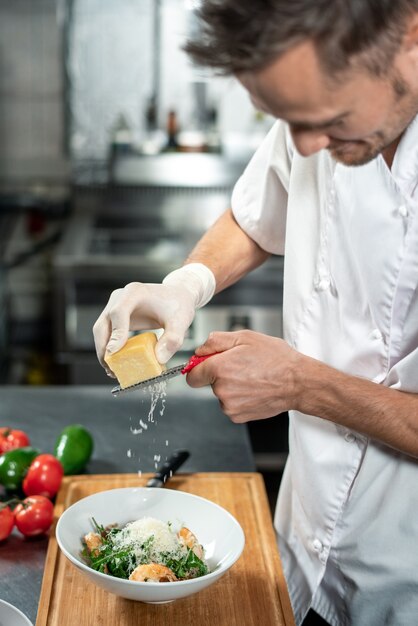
(244, 35)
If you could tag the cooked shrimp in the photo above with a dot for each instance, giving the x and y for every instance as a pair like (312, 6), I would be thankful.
(154, 573)
(93, 541)
(188, 539)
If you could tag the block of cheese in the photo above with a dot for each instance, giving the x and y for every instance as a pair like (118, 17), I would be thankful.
(136, 361)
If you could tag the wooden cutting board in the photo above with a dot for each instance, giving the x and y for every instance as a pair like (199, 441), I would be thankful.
(252, 593)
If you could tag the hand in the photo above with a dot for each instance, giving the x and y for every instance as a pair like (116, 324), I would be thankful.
(252, 376)
(144, 306)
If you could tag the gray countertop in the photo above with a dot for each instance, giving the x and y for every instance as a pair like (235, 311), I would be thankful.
(191, 419)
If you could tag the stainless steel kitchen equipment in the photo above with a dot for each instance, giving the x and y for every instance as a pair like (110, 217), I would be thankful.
(139, 227)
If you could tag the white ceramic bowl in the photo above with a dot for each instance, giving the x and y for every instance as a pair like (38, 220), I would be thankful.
(11, 616)
(215, 528)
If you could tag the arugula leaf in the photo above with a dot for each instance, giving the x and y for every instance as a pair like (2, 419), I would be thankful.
(101, 530)
(117, 563)
(189, 566)
(106, 559)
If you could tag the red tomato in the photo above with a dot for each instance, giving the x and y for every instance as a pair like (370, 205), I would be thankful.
(7, 521)
(11, 439)
(3, 431)
(34, 515)
(43, 477)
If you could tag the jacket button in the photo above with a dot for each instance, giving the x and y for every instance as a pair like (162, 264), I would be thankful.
(317, 545)
(323, 283)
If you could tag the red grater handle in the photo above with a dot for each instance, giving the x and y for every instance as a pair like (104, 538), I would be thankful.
(193, 361)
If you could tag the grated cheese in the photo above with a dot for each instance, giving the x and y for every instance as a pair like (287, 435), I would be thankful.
(135, 534)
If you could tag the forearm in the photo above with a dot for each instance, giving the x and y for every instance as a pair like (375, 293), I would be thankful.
(384, 414)
(228, 251)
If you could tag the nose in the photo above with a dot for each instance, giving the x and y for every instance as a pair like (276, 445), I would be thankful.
(308, 142)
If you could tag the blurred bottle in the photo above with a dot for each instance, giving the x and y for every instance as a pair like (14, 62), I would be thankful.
(121, 142)
(151, 116)
(39, 369)
(213, 137)
(121, 136)
(154, 139)
(172, 144)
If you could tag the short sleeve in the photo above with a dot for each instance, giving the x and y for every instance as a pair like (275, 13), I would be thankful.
(259, 199)
(404, 374)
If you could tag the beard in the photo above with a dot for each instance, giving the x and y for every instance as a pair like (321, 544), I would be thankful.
(359, 152)
(354, 153)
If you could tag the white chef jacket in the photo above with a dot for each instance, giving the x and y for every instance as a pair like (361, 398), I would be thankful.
(347, 512)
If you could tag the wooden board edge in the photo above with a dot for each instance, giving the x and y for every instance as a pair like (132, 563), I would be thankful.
(262, 510)
(67, 480)
(287, 609)
(51, 561)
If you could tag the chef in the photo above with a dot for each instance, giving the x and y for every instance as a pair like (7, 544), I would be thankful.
(333, 187)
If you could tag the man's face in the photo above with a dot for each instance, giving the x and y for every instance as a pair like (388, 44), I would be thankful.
(355, 118)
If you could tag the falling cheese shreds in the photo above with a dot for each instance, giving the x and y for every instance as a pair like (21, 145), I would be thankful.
(158, 391)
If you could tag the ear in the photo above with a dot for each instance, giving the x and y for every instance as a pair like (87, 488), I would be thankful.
(407, 57)
(410, 39)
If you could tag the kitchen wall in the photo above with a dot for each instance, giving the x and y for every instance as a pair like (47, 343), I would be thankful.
(31, 81)
(110, 71)
(33, 173)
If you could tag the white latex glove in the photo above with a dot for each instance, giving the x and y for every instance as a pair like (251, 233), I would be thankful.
(145, 306)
